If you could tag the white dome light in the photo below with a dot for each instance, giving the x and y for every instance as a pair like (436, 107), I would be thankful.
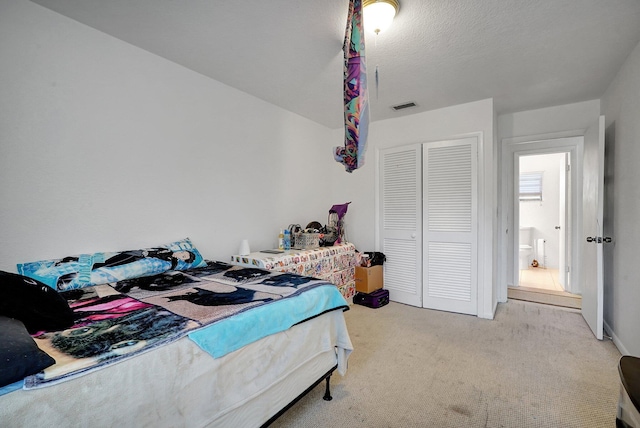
(378, 14)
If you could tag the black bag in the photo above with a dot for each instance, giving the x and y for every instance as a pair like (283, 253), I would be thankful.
(375, 299)
(376, 258)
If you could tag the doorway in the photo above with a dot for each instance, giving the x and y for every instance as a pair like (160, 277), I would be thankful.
(549, 237)
(543, 225)
(542, 221)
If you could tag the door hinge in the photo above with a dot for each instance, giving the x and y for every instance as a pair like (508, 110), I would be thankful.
(568, 167)
(568, 269)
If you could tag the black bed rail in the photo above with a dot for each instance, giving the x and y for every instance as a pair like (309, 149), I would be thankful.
(327, 395)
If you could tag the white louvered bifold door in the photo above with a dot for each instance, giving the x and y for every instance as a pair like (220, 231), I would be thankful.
(401, 222)
(450, 225)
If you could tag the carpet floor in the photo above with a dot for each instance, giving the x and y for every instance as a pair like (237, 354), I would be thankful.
(532, 366)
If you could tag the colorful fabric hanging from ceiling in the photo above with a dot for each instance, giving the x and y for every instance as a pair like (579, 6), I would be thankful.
(356, 102)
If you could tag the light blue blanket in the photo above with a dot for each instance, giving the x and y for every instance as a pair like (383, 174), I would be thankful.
(230, 334)
(11, 387)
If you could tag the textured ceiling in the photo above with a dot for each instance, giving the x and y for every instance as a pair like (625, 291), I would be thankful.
(525, 54)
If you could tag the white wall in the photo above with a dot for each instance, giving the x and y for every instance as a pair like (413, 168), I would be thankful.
(621, 107)
(104, 146)
(569, 117)
(544, 215)
(446, 123)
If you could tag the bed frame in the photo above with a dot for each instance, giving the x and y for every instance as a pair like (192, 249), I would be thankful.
(327, 395)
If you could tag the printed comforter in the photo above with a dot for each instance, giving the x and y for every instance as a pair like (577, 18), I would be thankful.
(221, 307)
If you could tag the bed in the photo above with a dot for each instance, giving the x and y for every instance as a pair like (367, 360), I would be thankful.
(237, 347)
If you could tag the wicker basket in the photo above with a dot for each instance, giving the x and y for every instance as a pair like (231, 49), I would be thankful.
(306, 241)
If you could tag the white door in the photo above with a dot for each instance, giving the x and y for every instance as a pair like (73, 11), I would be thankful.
(401, 222)
(450, 171)
(592, 214)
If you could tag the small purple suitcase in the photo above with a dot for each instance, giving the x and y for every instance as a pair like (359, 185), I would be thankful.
(375, 299)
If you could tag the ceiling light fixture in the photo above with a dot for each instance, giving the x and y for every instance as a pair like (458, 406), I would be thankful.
(378, 14)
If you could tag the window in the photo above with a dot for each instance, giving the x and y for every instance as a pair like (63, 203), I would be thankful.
(531, 186)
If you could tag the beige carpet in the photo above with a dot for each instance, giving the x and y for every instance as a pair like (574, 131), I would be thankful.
(532, 366)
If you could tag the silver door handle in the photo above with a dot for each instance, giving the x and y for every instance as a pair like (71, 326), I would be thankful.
(599, 239)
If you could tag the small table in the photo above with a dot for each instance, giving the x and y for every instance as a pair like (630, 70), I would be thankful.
(335, 264)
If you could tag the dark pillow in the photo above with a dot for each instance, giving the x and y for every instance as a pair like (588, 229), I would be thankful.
(19, 354)
(38, 306)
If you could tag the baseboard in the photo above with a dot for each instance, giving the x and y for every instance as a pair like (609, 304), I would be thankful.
(616, 340)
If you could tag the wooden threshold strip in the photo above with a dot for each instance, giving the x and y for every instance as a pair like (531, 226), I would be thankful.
(548, 297)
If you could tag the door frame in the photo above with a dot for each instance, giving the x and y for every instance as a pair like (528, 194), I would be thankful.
(568, 141)
(564, 222)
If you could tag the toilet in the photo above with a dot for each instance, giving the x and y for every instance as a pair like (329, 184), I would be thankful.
(525, 247)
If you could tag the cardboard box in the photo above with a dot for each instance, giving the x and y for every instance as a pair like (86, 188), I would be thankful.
(369, 279)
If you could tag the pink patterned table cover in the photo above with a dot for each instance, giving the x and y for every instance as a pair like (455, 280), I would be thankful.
(335, 264)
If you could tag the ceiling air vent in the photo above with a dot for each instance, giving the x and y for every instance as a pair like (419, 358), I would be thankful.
(404, 106)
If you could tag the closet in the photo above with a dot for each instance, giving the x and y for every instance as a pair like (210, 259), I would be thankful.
(429, 224)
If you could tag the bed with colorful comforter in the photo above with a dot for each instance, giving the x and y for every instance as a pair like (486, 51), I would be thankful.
(210, 345)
